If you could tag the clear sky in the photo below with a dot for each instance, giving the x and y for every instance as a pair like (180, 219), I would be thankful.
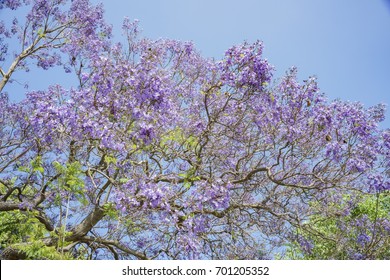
(345, 43)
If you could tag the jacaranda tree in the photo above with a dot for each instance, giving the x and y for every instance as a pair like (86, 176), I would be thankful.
(156, 152)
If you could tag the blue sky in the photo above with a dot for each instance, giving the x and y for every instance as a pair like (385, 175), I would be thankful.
(345, 43)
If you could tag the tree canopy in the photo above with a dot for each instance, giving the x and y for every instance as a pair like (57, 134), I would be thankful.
(160, 153)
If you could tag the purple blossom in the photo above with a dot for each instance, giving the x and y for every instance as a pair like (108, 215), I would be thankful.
(358, 256)
(11, 4)
(363, 239)
(305, 244)
(378, 182)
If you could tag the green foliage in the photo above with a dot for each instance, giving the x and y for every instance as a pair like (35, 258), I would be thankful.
(109, 160)
(373, 208)
(14, 227)
(123, 180)
(132, 226)
(110, 210)
(71, 179)
(334, 236)
(37, 250)
(177, 135)
(41, 33)
(22, 231)
(36, 165)
(189, 177)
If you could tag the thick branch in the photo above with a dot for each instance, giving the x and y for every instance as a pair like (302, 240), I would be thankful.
(9, 206)
(45, 221)
(12, 68)
(87, 224)
(12, 254)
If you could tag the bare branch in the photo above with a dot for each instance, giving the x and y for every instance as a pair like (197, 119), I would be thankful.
(115, 244)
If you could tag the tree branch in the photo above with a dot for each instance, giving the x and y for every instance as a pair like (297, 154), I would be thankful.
(41, 217)
(10, 191)
(87, 224)
(115, 244)
(9, 206)
(249, 175)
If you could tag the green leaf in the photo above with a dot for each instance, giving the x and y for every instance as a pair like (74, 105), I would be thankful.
(37, 164)
(187, 184)
(109, 159)
(123, 180)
